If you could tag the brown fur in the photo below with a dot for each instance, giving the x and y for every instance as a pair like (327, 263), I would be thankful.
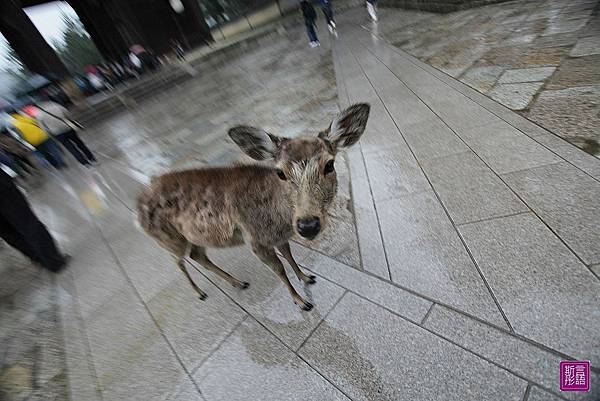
(227, 206)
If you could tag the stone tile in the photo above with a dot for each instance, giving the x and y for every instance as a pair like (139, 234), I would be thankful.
(504, 149)
(586, 47)
(187, 391)
(372, 362)
(525, 56)
(570, 152)
(482, 78)
(431, 139)
(573, 114)
(521, 357)
(194, 327)
(564, 26)
(579, 71)
(526, 75)
(367, 227)
(393, 173)
(535, 279)
(567, 200)
(595, 269)
(125, 346)
(515, 96)
(268, 300)
(396, 299)
(426, 255)
(469, 190)
(537, 394)
(253, 365)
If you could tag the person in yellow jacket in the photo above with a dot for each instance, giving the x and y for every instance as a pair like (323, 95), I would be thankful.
(31, 132)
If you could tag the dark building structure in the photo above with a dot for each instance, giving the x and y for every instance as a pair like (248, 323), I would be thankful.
(114, 26)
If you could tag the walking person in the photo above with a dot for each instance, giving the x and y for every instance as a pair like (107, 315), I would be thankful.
(372, 9)
(54, 119)
(328, 12)
(21, 229)
(310, 18)
(25, 127)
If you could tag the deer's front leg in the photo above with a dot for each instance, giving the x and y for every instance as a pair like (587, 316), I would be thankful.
(268, 256)
(287, 254)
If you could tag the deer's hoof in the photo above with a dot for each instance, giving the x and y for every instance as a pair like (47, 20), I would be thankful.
(311, 279)
(307, 306)
(245, 285)
(203, 297)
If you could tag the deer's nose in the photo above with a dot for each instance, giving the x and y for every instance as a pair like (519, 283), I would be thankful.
(309, 227)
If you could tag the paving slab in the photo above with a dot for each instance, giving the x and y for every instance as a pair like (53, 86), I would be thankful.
(567, 200)
(482, 78)
(426, 255)
(469, 190)
(400, 301)
(574, 155)
(515, 354)
(515, 96)
(586, 47)
(268, 300)
(125, 346)
(393, 173)
(253, 365)
(194, 327)
(432, 139)
(537, 394)
(373, 362)
(505, 149)
(538, 282)
(526, 75)
(367, 227)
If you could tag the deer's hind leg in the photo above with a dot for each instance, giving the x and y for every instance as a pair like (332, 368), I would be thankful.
(198, 253)
(178, 247)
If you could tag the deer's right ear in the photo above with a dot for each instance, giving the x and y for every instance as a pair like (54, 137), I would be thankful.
(255, 142)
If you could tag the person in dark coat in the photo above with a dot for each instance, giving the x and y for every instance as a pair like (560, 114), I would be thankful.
(21, 229)
(310, 18)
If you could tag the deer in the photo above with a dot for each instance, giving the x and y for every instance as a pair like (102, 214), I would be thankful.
(260, 204)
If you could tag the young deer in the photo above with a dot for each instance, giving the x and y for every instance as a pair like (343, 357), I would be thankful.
(265, 206)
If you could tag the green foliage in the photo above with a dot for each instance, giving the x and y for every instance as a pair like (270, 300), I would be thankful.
(76, 48)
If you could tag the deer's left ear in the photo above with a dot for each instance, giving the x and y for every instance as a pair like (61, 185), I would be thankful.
(347, 128)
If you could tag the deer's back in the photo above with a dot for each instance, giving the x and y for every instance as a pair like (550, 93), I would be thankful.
(213, 206)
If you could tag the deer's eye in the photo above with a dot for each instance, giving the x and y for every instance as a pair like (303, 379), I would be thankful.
(329, 167)
(281, 175)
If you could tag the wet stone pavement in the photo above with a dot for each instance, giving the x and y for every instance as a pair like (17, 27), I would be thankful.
(539, 58)
(461, 262)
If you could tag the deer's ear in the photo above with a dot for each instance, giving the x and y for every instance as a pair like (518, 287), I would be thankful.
(255, 142)
(348, 126)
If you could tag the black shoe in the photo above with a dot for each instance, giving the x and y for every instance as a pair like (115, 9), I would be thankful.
(62, 265)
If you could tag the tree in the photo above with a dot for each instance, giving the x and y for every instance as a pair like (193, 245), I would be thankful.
(76, 48)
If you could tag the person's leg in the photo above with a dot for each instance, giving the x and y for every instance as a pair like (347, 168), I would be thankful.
(13, 238)
(25, 231)
(66, 141)
(310, 30)
(51, 153)
(76, 139)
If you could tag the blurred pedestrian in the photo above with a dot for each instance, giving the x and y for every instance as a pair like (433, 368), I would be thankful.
(21, 229)
(372, 9)
(328, 12)
(177, 49)
(28, 129)
(54, 118)
(310, 18)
